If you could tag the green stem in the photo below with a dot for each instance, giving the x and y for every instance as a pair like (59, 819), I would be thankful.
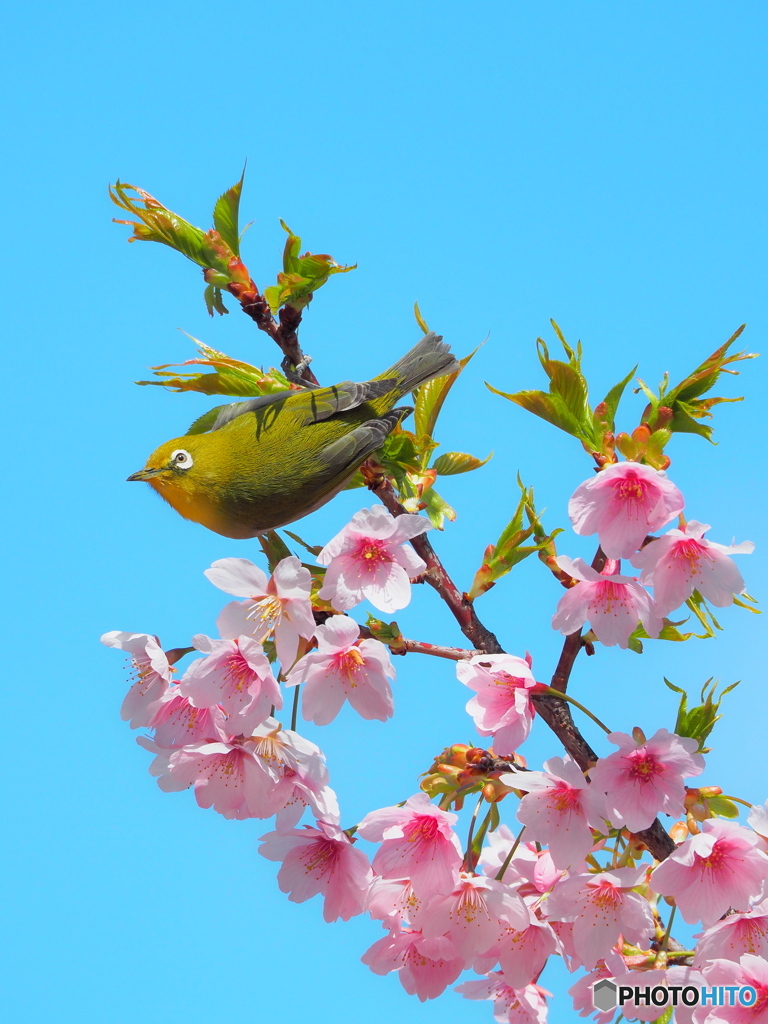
(295, 711)
(480, 837)
(665, 941)
(466, 865)
(510, 855)
(550, 691)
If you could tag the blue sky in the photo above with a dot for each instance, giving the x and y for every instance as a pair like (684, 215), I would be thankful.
(501, 163)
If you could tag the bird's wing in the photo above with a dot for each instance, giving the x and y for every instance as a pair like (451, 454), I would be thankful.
(316, 404)
(327, 402)
(231, 412)
(352, 449)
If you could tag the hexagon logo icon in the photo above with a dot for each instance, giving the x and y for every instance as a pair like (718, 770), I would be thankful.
(604, 995)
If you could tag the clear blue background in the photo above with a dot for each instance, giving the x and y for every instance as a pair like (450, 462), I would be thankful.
(500, 163)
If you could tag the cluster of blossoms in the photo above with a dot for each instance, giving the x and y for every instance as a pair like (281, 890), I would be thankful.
(573, 883)
(623, 504)
(215, 729)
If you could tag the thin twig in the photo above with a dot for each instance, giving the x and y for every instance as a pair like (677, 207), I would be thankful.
(402, 645)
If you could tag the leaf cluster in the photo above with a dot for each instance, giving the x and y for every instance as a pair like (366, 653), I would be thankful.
(566, 404)
(679, 409)
(672, 409)
(510, 548)
(698, 722)
(301, 276)
(217, 251)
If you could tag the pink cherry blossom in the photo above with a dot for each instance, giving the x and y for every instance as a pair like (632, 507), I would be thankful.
(279, 605)
(426, 966)
(525, 1005)
(682, 561)
(612, 604)
(342, 669)
(150, 670)
(474, 915)
(719, 868)
(276, 771)
(369, 559)
(393, 901)
(622, 504)
(602, 907)
(643, 779)
(302, 775)
(750, 971)
(560, 809)
(177, 723)
(735, 935)
(532, 871)
(417, 842)
(237, 676)
(497, 846)
(320, 859)
(502, 707)
(225, 776)
(521, 952)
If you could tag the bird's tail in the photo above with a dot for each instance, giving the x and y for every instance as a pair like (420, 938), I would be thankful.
(430, 357)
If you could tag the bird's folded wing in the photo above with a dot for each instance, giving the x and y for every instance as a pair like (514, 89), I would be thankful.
(352, 449)
(327, 402)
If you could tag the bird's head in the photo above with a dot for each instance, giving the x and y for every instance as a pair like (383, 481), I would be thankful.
(184, 471)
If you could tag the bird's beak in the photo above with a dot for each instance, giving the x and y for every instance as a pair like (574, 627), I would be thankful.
(146, 474)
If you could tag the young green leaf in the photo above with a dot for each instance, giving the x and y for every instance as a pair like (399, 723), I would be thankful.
(451, 463)
(225, 215)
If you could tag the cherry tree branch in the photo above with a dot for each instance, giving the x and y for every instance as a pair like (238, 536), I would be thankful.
(436, 576)
(555, 712)
(284, 331)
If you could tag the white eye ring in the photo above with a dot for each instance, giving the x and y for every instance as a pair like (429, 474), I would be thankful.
(181, 459)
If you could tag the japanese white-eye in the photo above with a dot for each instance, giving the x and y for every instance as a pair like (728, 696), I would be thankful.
(270, 460)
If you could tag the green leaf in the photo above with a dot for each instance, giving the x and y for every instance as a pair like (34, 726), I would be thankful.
(546, 407)
(451, 463)
(510, 549)
(204, 423)
(437, 508)
(225, 215)
(703, 613)
(429, 398)
(566, 406)
(313, 549)
(604, 416)
(684, 399)
(420, 319)
(230, 377)
(722, 807)
(699, 721)
(274, 547)
(387, 632)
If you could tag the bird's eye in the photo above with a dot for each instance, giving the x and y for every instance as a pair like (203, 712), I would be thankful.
(181, 459)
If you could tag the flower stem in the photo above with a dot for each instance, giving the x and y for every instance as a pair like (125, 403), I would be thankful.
(510, 855)
(467, 863)
(552, 692)
(295, 711)
(662, 954)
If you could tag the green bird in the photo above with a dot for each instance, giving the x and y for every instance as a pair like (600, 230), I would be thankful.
(269, 461)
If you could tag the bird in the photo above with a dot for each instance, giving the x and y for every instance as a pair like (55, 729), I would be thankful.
(271, 460)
